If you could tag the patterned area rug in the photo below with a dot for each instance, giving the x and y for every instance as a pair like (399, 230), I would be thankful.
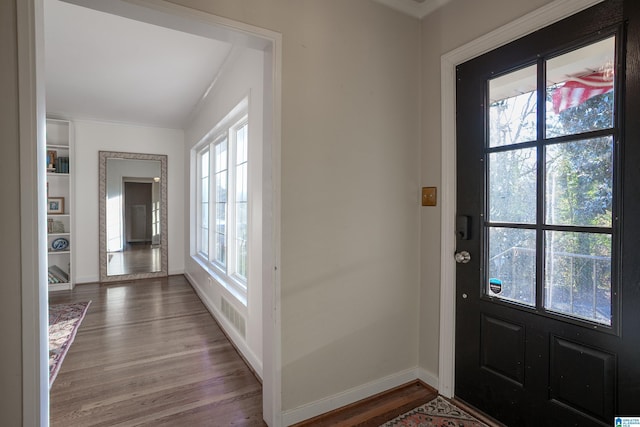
(437, 413)
(64, 321)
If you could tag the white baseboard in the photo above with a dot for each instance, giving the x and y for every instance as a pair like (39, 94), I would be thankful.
(428, 378)
(348, 397)
(94, 279)
(53, 287)
(237, 340)
(87, 279)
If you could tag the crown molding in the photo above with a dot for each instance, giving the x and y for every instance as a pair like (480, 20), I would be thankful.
(412, 7)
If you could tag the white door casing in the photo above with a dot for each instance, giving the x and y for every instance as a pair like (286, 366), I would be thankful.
(30, 25)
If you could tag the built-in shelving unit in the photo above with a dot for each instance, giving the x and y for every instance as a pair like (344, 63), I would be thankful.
(60, 224)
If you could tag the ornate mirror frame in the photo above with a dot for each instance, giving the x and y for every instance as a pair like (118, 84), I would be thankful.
(103, 156)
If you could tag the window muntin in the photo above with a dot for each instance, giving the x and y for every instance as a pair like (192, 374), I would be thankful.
(557, 218)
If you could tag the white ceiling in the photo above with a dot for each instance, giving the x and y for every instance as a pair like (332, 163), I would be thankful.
(417, 8)
(106, 67)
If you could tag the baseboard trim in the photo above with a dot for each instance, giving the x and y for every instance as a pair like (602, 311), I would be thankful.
(95, 279)
(348, 397)
(236, 340)
(428, 378)
(87, 279)
(54, 287)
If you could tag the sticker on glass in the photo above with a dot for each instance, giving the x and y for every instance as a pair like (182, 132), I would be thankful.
(627, 421)
(495, 285)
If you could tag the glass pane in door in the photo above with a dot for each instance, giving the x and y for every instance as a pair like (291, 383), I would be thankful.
(580, 90)
(512, 186)
(578, 275)
(512, 265)
(579, 182)
(513, 107)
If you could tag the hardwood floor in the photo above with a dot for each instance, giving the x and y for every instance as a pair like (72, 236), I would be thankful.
(149, 353)
(134, 259)
(378, 409)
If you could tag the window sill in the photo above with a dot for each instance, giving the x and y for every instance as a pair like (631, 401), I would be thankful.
(222, 279)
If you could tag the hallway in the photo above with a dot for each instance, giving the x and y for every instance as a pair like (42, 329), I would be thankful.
(149, 353)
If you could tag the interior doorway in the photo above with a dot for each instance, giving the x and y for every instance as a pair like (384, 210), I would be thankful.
(137, 212)
(140, 251)
(179, 17)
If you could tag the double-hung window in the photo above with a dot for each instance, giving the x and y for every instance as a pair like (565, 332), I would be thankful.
(222, 217)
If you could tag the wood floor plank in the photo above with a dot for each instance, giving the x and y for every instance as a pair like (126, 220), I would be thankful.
(376, 410)
(149, 353)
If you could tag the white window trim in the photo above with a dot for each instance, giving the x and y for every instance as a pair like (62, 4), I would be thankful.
(198, 228)
(231, 203)
(219, 139)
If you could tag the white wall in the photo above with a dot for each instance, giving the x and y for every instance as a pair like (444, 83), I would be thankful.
(349, 201)
(241, 77)
(94, 136)
(350, 259)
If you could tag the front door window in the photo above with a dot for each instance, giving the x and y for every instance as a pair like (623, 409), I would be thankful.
(549, 227)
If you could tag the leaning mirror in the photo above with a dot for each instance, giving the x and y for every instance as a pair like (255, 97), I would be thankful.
(133, 215)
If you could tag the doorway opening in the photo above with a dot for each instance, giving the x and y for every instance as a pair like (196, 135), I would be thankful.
(207, 25)
(140, 248)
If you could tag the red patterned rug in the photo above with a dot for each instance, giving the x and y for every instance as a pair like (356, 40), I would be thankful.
(64, 321)
(436, 413)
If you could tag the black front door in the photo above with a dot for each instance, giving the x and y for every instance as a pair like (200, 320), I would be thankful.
(548, 205)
